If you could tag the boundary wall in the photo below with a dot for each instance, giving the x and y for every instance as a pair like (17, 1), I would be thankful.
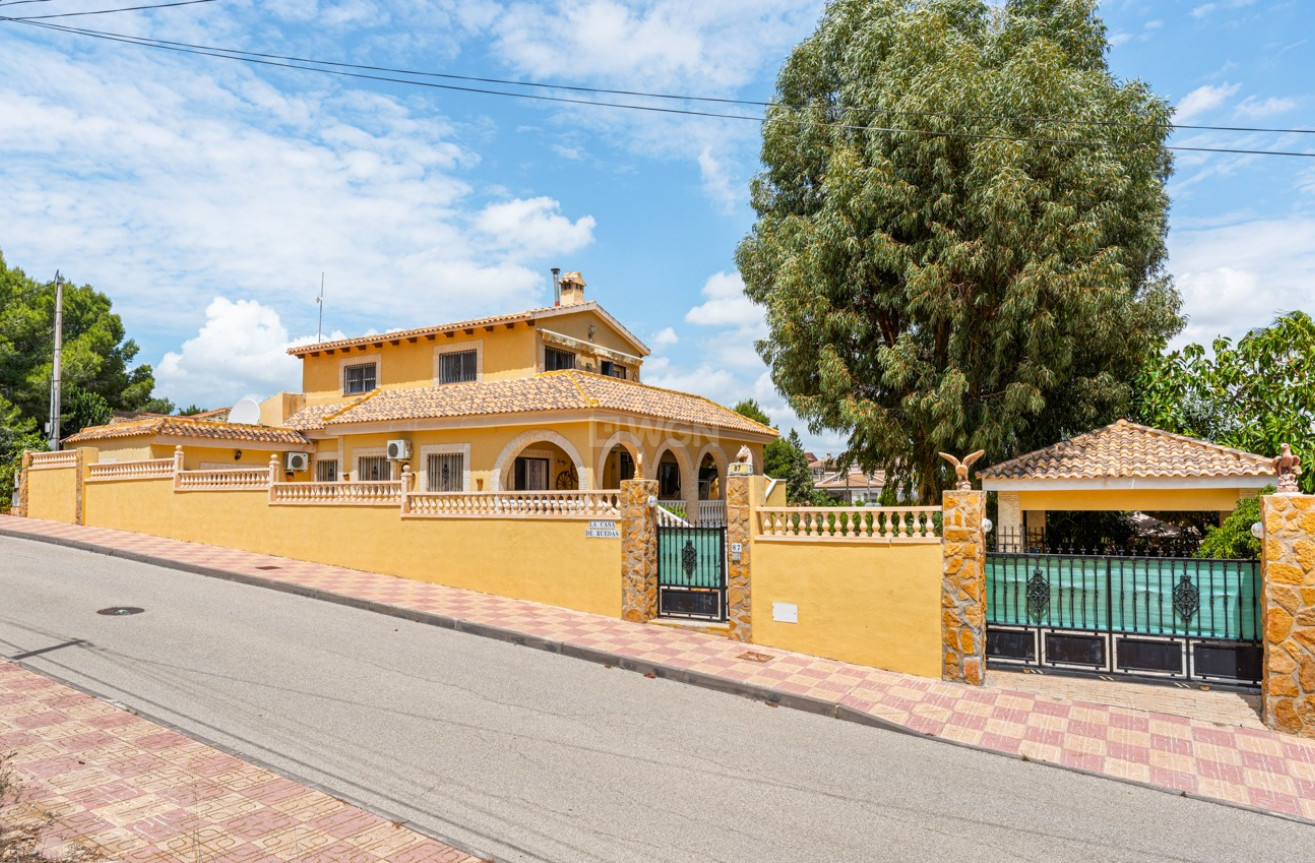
(862, 585)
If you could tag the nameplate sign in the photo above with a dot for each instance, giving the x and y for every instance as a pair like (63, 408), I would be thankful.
(602, 529)
(741, 467)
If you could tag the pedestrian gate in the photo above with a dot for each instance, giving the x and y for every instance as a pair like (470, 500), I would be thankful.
(692, 572)
(1174, 618)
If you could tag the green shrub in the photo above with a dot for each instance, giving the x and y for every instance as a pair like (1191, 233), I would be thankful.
(1233, 538)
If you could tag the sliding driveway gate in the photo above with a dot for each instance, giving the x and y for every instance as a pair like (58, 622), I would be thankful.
(692, 572)
(1168, 618)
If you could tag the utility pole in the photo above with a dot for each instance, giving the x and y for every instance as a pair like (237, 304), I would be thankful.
(59, 350)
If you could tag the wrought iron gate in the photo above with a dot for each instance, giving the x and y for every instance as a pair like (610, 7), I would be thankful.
(692, 572)
(1169, 618)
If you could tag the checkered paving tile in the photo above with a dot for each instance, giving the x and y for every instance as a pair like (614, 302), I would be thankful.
(133, 791)
(1205, 743)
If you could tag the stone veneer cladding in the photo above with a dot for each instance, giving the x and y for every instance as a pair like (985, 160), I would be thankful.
(1288, 579)
(739, 517)
(963, 588)
(639, 555)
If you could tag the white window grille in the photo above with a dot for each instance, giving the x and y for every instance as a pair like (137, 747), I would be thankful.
(359, 379)
(458, 367)
(326, 470)
(373, 467)
(445, 472)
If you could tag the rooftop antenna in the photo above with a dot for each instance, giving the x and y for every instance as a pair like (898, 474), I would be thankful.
(319, 301)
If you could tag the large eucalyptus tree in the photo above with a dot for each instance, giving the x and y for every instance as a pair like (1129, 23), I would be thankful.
(992, 279)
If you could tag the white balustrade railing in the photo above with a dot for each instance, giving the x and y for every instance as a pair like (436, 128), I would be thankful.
(51, 460)
(228, 479)
(514, 504)
(150, 469)
(370, 493)
(855, 524)
(712, 513)
(667, 518)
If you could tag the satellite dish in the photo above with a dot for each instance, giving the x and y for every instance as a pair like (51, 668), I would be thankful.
(246, 412)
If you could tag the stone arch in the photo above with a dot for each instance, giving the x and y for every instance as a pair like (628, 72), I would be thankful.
(688, 477)
(633, 445)
(713, 449)
(525, 439)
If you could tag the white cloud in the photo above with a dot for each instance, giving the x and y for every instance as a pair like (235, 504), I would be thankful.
(725, 304)
(534, 227)
(664, 338)
(1238, 277)
(172, 181)
(240, 350)
(1253, 107)
(670, 46)
(1207, 8)
(1203, 99)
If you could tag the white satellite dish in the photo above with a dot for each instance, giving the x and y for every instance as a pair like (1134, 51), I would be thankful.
(246, 412)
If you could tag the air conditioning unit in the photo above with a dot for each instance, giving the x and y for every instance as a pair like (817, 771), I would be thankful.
(296, 462)
(399, 449)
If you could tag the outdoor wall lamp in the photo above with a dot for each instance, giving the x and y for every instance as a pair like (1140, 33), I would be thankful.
(1257, 529)
(987, 525)
(652, 501)
(237, 455)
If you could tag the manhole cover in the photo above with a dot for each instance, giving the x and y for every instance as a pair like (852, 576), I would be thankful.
(121, 610)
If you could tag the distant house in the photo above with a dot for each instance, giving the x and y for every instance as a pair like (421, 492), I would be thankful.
(541, 400)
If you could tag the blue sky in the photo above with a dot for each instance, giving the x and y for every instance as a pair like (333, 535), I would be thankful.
(206, 196)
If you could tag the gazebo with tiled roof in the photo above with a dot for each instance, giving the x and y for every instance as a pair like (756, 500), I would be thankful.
(1124, 467)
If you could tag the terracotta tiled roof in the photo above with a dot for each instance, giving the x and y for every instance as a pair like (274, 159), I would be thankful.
(856, 479)
(171, 426)
(1126, 449)
(550, 391)
(314, 417)
(515, 317)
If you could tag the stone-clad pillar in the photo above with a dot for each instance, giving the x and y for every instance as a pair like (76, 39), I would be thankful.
(739, 517)
(1287, 572)
(639, 554)
(963, 587)
(79, 479)
(22, 482)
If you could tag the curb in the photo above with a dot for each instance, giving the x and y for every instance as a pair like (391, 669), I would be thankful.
(704, 680)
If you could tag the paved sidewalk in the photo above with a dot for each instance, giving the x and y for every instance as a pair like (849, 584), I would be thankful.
(131, 790)
(1207, 745)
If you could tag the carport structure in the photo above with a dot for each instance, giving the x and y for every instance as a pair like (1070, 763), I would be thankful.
(1115, 613)
(1123, 467)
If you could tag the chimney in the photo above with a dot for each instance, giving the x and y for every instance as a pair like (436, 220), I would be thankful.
(572, 289)
(556, 286)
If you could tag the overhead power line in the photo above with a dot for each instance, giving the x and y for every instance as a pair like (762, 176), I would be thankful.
(102, 11)
(642, 93)
(341, 69)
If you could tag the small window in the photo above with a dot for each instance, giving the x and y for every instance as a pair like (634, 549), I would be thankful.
(555, 360)
(370, 468)
(614, 370)
(445, 472)
(358, 379)
(326, 471)
(459, 367)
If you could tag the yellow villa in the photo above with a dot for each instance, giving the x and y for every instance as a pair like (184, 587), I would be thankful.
(549, 399)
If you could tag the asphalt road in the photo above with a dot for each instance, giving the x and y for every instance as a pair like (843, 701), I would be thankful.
(526, 755)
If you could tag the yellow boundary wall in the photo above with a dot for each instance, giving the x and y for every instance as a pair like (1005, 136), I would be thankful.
(52, 493)
(542, 560)
(870, 604)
